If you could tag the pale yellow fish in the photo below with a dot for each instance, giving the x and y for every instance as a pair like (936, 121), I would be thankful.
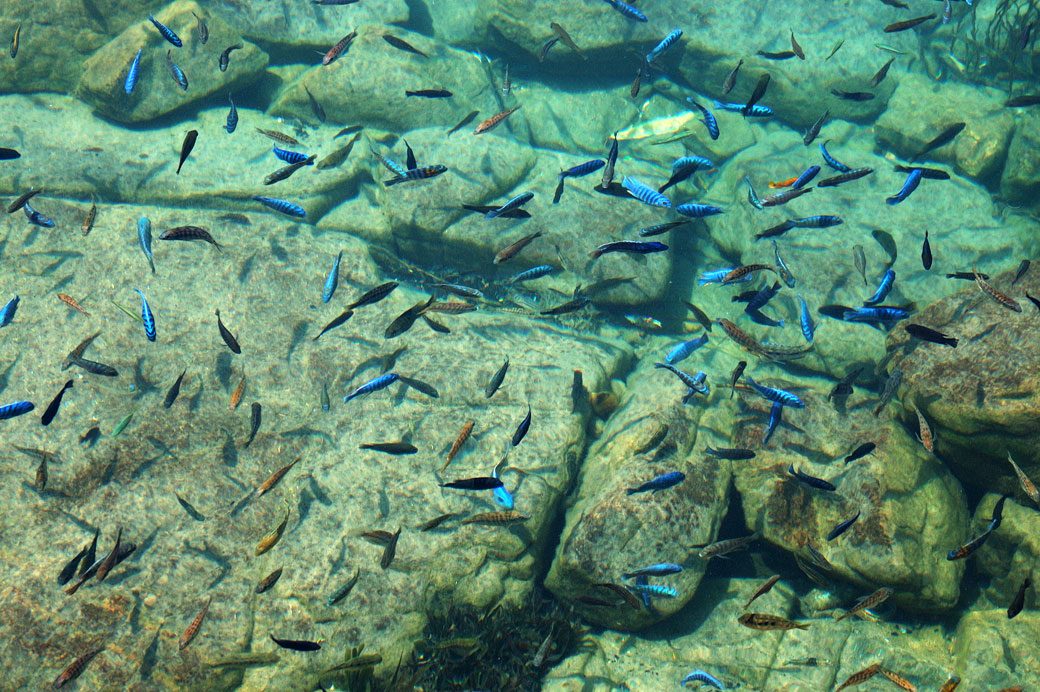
(1023, 479)
(656, 127)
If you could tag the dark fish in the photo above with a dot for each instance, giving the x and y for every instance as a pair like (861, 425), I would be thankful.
(943, 138)
(546, 47)
(175, 390)
(192, 512)
(189, 233)
(969, 547)
(926, 334)
(908, 23)
(15, 40)
(430, 93)
(812, 133)
(811, 481)
(853, 95)
(394, 448)
(880, 75)
(930, 173)
(511, 250)
(478, 483)
(637, 82)
(401, 44)
(731, 78)
(889, 390)
(861, 451)
(874, 599)
(570, 306)
(254, 422)
(661, 482)
(390, 550)
(279, 137)
(854, 174)
(758, 93)
(734, 454)
(842, 527)
(778, 55)
(285, 171)
(462, 123)
(926, 253)
(403, 322)
(52, 408)
(340, 319)
(760, 621)
(77, 667)
(375, 295)
(201, 28)
(965, 276)
(296, 644)
(109, 561)
(94, 367)
(735, 376)
(763, 590)
(698, 314)
(269, 581)
(227, 336)
(22, 199)
(225, 57)
(496, 380)
(418, 385)
(511, 214)
(521, 430)
(1023, 267)
(166, 32)
(8, 154)
(1019, 601)
(898, 4)
(40, 482)
(1023, 101)
(565, 37)
(342, 592)
(887, 242)
(90, 437)
(186, 146)
(437, 521)
(316, 109)
(796, 48)
(69, 570)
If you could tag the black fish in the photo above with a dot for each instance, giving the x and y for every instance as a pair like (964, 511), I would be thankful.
(734, 454)
(192, 512)
(479, 483)
(811, 481)
(966, 276)
(296, 644)
(69, 570)
(880, 75)
(418, 385)
(8, 154)
(189, 233)
(186, 146)
(926, 334)
(430, 93)
(518, 213)
(462, 123)
(394, 448)
(853, 95)
(409, 157)
(390, 550)
(175, 390)
(860, 452)
(90, 437)
(758, 93)
(316, 108)
(496, 380)
(406, 319)
(1023, 100)
(343, 317)
(52, 408)
(521, 430)
(225, 57)
(401, 44)
(814, 131)
(699, 315)
(254, 422)
(1023, 267)
(945, 137)
(926, 253)
(779, 55)
(375, 295)
(22, 199)
(737, 372)
(435, 325)
(227, 336)
(842, 527)
(930, 173)
(94, 367)
(579, 393)
(1019, 600)
(570, 306)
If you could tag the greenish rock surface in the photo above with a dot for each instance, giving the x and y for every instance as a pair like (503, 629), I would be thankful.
(609, 531)
(921, 109)
(1012, 553)
(990, 651)
(157, 92)
(1019, 183)
(978, 399)
(302, 26)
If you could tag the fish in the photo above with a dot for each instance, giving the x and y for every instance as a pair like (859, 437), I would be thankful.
(966, 276)
(1023, 267)
(784, 197)
(756, 95)
(911, 183)
(888, 244)
(645, 194)
(853, 95)
(467, 429)
(478, 483)
(926, 334)
(778, 55)
(695, 383)
(521, 430)
(683, 350)
(52, 408)
(659, 570)
(175, 390)
(338, 156)
(289, 156)
(406, 319)
(273, 479)
(942, 139)
(279, 137)
(192, 512)
(737, 274)
(760, 621)
(496, 380)
(860, 452)
(92, 367)
(867, 602)
(628, 246)
(390, 550)
(7, 154)
(401, 44)
(36, 218)
(698, 211)
(144, 237)
(430, 93)
(852, 174)
(731, 78)
(332, 280)
(176, 72)
(889, 390)
(462, 123)
(661, 482)
(734, 454)
(546, 47)
(325, 403)
(951, 684)
(565, 38)
(279, 205)
(814, 131)
(374, 295)
(201, 28)
(763, 590)
(929, 173)
(90, 437)
(76, 667)
(893, 677)
(1018, 602)
(862, 676)
(730, 545)
(166, 32)
(344, 590)
(811, 481)
(193, 628)
(926, 250)
(807, 325)
(269, 581)
(72, 303)
(1023, 101)
(227, 336)
(707, 118)
(655, 590)
(272, 538)
(908, 23)
(147, 317)
(417, 174)
(627, 10)
(186, 146)
(338, 49)
(15, 41)
(1023, 480)
(225, 57)
(22, 199)
(796, 48)
(770, 351)
(109, 561)
(381, 382)
(698, 314)
(296, 644)
(419, 385)
(1006, 301)
(842, 527)
(393, 448)
(515, 203)
(236, 395)
(492, 122)
(514, 248)
(255, 412)
(667, 42)
(969, 547)
(132, 74)
(189, 233)
(887, 281)
(880, 75)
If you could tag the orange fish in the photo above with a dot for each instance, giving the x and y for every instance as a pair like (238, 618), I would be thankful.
(951, 684)
(926, 433)
(71, 302)
(459, 441)
(236, 396)
(195, 626)
(494, 120)
(861, 676)
(783, 183)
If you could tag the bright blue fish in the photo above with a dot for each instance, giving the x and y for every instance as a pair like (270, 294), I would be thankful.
(381, 382)
(332, 280)
(515, 203)
(132, 74)
(805, 178)
(36, 218)
(645, 194)
(698, 211)
(707, 118)
(755, 110)
(281, 205)
(665, 480)
(178, 73)
(831, 161)
(808, 327)
(716, 276)
(531, 274)
(630, 246)
(666, 43)
(289, 156)
(166, 32)
(232, 116)
(147, 317)
(18, 408)
(881, 313)
(780, 396)
(501, 495)
(660, 570)
(682, 351)
(775, 414)
(7, 314)
(820, 221)
(658, 590)
(887, 281)
(583, 169)
(683, 168)
(144, 236)
(699, 676)
(627, 10)
(912, 181)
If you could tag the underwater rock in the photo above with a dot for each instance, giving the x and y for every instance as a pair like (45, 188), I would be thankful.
(1012, 552)
(921, 109)
(979, 398)
(609, 532)
(992, 652)
(303, 26)
(157, 91)
(1019, 184)
(912, 510)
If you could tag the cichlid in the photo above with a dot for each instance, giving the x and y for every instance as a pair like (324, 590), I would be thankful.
(147, 317)
(332, 280)
(665, 480)
(683, 350)
(381, 382)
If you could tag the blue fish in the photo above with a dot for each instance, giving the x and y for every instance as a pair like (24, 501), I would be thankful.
(515, 203)
(831, 161)
(811, 481)
(627, 10)
(630, 246)
(762, 298)
(530, 274)
(698, 211)
(805, 178)
(7, 314)
(755, 110)
(759, 317)
(781, 267)
(666, 43)
(820, 221)
(132, 74)
(583, 169)
(381, 382)
(521, 430)
(775, 414)
(18, 408)
(703, 678)
(683, 168)
(147, 317)
(707, 118)
(777, 395)
(645, 194)
(660, 570)
(281, 205)
(501, 495)
(178, 73)
(289, 156)
(881, 313)
(716, 276)
(912, 181)
(331, 281)
(417, 174)
(658, 590)
(808, 328)
(36, 218)
(684, 349)
(166, 32)
(887, 281)
(144, 236)
(232, 116)
(695, 383)
(665, 480)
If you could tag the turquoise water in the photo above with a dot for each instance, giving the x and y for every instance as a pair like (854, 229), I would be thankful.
(260, 528)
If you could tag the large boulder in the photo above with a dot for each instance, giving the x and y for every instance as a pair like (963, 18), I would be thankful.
(1020, 184)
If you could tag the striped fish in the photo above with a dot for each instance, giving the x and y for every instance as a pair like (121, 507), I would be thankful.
(645, 194)
(147, 317)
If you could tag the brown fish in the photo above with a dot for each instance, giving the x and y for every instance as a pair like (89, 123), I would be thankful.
(1019, 601)
(236, 396)
(898, 680)
(88, 222)
(338, 49)
(510, 251)
(867, 602)
(784, 197)
(452, 307)
(275, 477)
(196, 624)
(880, 75)
(279, 137)
(510, 517)
(272, 538)
(634, 91)
(862, 676)
(764, 589)
(908, 24)
(761, 621)
(777, 353)
(22, 199)
(494, 120)
(40, 482)
(189, 233)
(731, 78)
(740, 272)
(186, 146)
(378, 537)
(1023, 480)
(467, 428)
(627, 596)
(993, 293)
(110, 560)
(401, 44)
(71, 302)
(927, 441)
(437, 521)
(950, 684)
(796, 48)
(727, 546)
(566, 39)
(77, 666)
(269, 581)
(390, 550)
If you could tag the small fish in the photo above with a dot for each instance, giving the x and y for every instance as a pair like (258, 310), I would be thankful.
(926, 249)
(227, 336)
(898, 680)
(176, 72)
(232, 117)
(462, 123)
(255, 412)
(237, 394)
(1006, 301)
(339, 49)
(72, 303)
(760, 621)
(496, 380)
(842, 527)
(460, 440)
(144, 238)
(420, 386)
(279, 137)
(860, 452)
(381, 382)
(777, 55)
(661, 482)
(699, 676)
(835, 49)
(109, 561)
(628, 246)
(132, 74)
(814, 130)
(1023, 480)
(756, 95)
(860, 260)
(908, 23)
(166, 32)
(731, 78)
(515, 203)
(926, 334)
(807, 325)
(494, 120)
(514, 248)
(683, 350)
(546, 47)
(332, 280)
(279, 205)
(7, 154)
(521, 430)
(911, 183)
(269, 581)
(186, 146)
(811, 481)
(666, 43)
(273, 479)
(296, 644)
(36, 218)
(853, 95)
(192, 512)
(52, 408)
(1019, 601)
(175, 390)
(393, 448)
(343, 591)
(795, 47)
(734, 454)
(374, 295)
(189, 233)
(627, 10)
(867, 602)
(850, 175)
(390, 550)
(720, 548)
(887, 282)
(147, 317)
(942, 139)
(401, 44)
(430, 93)
(880, 75)
(271, 539)
(316, 109)
(201, 29)
(75, 668)
(1023, 267)
(403, 322)
(707, 118)
(225, 57)
(660, 570)
(478, 483)
(861, 676)
(763, 590)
